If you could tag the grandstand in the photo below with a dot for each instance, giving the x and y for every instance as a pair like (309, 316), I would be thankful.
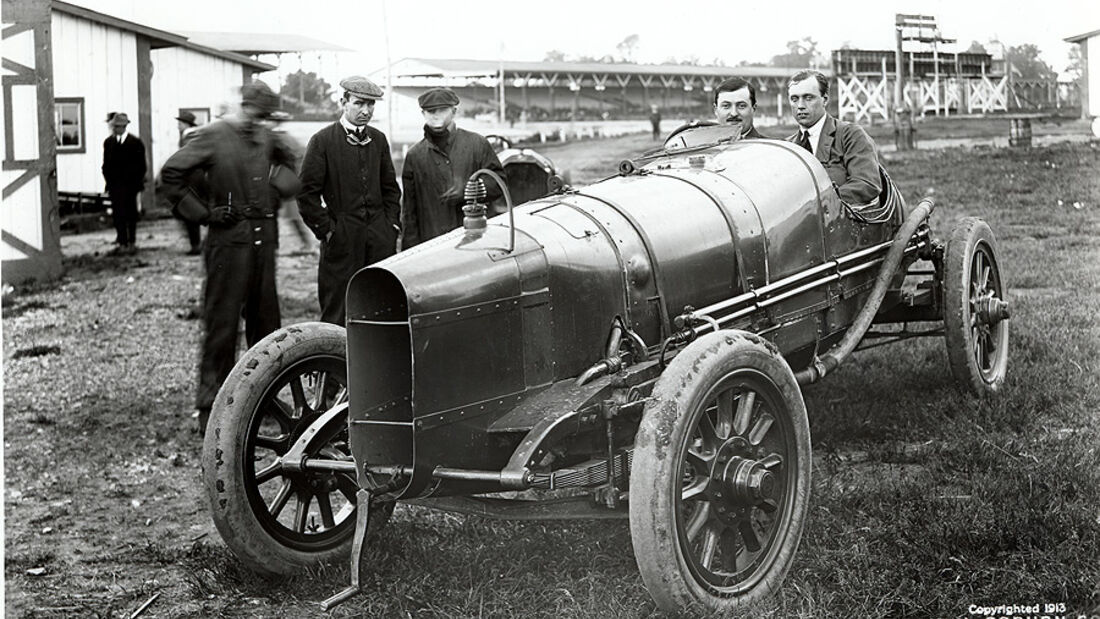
(556, 91)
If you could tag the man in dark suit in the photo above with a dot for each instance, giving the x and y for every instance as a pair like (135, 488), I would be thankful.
(124, 172)
(844, 148)
(735, 103)
(348, 166)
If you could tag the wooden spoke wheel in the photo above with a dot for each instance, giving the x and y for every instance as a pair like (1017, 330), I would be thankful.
(975, 310)
(720, 480)
(275, 518)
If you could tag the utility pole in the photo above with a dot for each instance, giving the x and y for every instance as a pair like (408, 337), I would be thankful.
(500, 82)
(904, 25)
(389, 76)
(903, 117)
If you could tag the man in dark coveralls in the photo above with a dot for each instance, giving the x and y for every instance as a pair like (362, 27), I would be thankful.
(437, 168)
(236, 154)
(350, 198)
(124, 173)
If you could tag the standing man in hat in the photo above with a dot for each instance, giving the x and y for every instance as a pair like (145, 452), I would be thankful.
(186, 123)
(124, 173)
(350, 198)
(437, 168)
(236, 153)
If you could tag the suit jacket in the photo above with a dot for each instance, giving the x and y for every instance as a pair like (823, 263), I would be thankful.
(124, 165)
(753, 134)
(848, 155)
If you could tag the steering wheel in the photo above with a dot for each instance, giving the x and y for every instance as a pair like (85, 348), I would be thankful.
(498, 142)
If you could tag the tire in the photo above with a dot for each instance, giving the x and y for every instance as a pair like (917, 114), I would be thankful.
(275, 521)
(721, 465)
(975, 312)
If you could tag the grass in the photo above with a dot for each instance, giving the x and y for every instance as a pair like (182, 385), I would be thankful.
(924, 502)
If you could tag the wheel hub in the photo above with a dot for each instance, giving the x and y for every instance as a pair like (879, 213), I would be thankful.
(990, 310)
(738, 481)
(748, 481)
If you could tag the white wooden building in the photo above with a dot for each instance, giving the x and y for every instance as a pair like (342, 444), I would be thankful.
(1090, 72)
(65, 68)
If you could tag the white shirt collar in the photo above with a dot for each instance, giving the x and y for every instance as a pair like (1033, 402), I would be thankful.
(348, 126)
(815, 132)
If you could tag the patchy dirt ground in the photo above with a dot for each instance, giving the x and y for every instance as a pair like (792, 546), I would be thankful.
(103, 501)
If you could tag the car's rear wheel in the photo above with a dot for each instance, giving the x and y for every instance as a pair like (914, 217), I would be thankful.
(720, 480)
(975, 310)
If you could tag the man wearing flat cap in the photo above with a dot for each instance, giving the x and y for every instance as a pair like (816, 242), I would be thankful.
(124, 173)
(236, 155)
(350, 198)
(437, 168)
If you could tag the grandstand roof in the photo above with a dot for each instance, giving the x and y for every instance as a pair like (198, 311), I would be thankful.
(437, 67)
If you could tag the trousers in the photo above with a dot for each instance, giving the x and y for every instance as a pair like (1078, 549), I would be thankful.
(240, 282)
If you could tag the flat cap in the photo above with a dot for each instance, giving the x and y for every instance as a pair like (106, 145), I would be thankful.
(261, 96)
(361, 87)
(437, 97)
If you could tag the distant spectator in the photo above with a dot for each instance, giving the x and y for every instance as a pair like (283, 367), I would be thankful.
(186, 123)
(124, 173)
(655, 120)
(289, 209)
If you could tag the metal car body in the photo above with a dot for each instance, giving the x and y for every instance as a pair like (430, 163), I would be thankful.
(456, 346)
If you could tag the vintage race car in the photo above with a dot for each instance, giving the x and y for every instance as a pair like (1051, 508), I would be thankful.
(631, 349)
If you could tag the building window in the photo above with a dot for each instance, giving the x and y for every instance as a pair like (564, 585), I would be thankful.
(68, 115)
(202, 114)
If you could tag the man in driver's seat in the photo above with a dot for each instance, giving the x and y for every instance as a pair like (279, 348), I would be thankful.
(735, 103)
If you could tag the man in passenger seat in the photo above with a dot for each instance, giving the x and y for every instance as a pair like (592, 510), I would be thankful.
(844, 148)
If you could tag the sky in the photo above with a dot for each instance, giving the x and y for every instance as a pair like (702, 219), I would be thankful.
(751, 31)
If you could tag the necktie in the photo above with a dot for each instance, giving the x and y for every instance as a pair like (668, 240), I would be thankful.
(804, 141)
(358, 137)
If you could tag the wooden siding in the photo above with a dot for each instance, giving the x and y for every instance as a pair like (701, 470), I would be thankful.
(183, 78)
(98, 63)
(1090, 54)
